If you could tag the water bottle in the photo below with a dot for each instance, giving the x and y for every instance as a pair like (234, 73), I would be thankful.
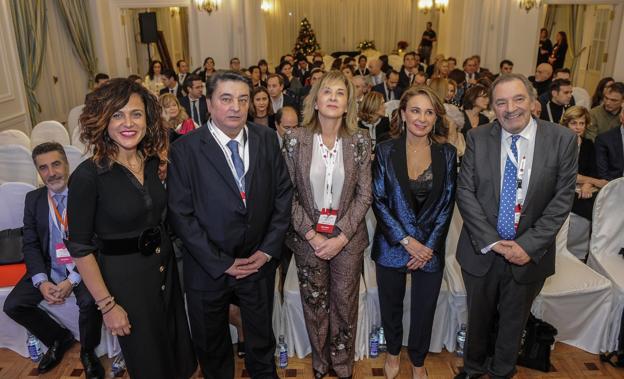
(461, 341)
(118, 366)
(382, 340)
(283, 352)
(374, 344)
(34, 348)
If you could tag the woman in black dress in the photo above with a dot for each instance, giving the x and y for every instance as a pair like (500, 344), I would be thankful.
(372, 115)
(545, 47)
(116, 208)
(476, 100)
(558, 54)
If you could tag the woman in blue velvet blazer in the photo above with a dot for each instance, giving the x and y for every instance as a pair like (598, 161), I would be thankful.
(414, 188)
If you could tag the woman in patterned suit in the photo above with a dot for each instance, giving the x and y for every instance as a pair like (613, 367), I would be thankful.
(329, 163)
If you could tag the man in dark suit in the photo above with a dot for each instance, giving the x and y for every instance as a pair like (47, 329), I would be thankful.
(610, 152)
(51, 274)
(170, 80)
(390, 88)
(560, 99)
(195, 102)
(230, 201)
(515, 190)
(279, 98)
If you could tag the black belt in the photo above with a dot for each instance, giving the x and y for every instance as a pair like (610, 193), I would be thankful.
(147, 243)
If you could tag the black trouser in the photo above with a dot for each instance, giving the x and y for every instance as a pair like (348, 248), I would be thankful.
(497, 292)
(208, 313)
(22, 305)
(424, 297)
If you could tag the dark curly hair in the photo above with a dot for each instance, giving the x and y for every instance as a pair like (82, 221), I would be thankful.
(100, 107)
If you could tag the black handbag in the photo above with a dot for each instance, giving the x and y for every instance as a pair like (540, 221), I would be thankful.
(11, 246)
(537, 340)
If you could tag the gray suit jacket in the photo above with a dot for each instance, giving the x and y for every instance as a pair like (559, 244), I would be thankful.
(547, 204)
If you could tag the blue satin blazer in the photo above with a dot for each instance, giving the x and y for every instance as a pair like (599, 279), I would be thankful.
(394, 210)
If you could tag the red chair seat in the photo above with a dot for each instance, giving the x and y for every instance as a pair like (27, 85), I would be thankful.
(11, 274)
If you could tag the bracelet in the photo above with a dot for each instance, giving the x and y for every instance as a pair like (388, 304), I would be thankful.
(109, 309)
(101, 300)
(111, 301)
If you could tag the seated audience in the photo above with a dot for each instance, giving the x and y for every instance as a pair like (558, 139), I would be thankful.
(407, 71)
(541, 79)
(183, 71)
(390, 87)
(610, 152)
(135, 78)
(347, 71)
(303, 68)
(51, 273)
(560, 100)
(476, 101)
(208, 70)
(153, 80)
(275, 86)
(459, 78)
(171, 85)
(420, 79)
(314, 77)
(260, 110)
(195, 102)
(264, 69)
(605, 117)
(285, 119)
(470, 71)
(178, 120)
(235, 64)
(372, 117)
(600, 90)
(505, 67)
(359, 83)
(455, 117)
(440, 69)
(376, 72)
(99, 80)
(452, 63)
(361, 67)
(256, 77)
(291, 82)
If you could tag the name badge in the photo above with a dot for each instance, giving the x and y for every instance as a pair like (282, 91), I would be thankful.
(62, 254)
(327, 220)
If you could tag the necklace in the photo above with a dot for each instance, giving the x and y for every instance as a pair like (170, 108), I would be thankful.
(136, 171)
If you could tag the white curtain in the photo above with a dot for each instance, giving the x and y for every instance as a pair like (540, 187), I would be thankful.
(339, 25)
(63, 83)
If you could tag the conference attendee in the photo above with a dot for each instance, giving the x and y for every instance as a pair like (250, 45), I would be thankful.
(176, 117)
(610, 152)
(426, 43)
(542, 78)
(452, 63)
(577, 118)
(407, 71)
(347, 71)
(606, 116)
(390, 87)
(420, 79)
(560, 101)
(600, 90)
(361, 68)
(372, 118)
(238, 167)
(481, 71)
(51, 274)
(329, 163)
(431, 66)
(302, 69)
(291, 82)
(376, 73)
(359, 84)
(260, 110)
(545, 47)
(135, 78)
(440, 69)
(454, 116)
(476, 100)
(255, 74)
(315, 75)
(470, 70)
(195, 102)
(207, 71)
(413, 197)
(558, 53)
(116, 207)
(506, 248)
(183, 70)
(336, 64)
(318, 62)
(264, 70)
(505, 67)
(171, 85)
(100, 79)
(275, 86)
(235, 64)
(285, 119)
(153, 81)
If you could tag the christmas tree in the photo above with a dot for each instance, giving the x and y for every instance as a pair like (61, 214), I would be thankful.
(306, 42)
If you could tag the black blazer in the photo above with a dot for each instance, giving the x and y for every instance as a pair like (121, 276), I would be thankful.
(203, 108)
(382, 131)
(179, 94)
(548, 200)
(207, 213)
(364, 72)
(36, 238)
(398, 91)
(610, 154)
(404, 79)
(467, 126)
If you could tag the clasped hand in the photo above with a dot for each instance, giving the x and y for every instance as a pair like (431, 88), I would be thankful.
(244, 267)
(512, 252)
(420, 254)
(55, 293)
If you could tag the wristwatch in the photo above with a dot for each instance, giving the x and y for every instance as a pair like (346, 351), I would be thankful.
(404, 241)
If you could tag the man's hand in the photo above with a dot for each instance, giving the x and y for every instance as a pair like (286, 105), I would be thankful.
(49, 291)
(64, 288)
(244, 267)
(512, 252)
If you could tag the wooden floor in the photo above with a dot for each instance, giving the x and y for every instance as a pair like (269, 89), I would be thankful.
(567, 362)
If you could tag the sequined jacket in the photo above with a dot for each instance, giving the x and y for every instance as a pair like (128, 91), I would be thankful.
(355, 198)
(392, 204)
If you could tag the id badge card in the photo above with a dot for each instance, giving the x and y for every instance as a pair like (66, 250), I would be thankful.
(62, 254)
(327, 220)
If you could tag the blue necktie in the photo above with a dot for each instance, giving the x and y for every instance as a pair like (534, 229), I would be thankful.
(238, 162)
(59, 273)
(505, 226)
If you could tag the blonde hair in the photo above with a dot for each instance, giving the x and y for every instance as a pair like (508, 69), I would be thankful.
(310, 114)
(573, 113)
(369, 106)
(440, 87)
(168, 99)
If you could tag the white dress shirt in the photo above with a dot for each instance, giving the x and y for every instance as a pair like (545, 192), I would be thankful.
(277, 104)
(243, 146)
(317, 176)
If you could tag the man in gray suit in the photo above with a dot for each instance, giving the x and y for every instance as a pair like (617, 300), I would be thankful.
(514, 191)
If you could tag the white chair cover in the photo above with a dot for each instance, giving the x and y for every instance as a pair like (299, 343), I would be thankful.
(72, 118)
(74, 156)
(606, 241)
(395, 61)
(16, 165)
(390, 107)
(12, 196)
(75, 141)
(458, 309)
(49, 131)
(14, 137)
(581, 97)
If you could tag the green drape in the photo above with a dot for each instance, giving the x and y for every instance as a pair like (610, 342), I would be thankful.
(76, 20)
(30, 24)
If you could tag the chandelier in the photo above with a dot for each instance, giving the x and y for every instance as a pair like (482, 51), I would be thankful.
(427, 5)
(527, 5)
(207, 5)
